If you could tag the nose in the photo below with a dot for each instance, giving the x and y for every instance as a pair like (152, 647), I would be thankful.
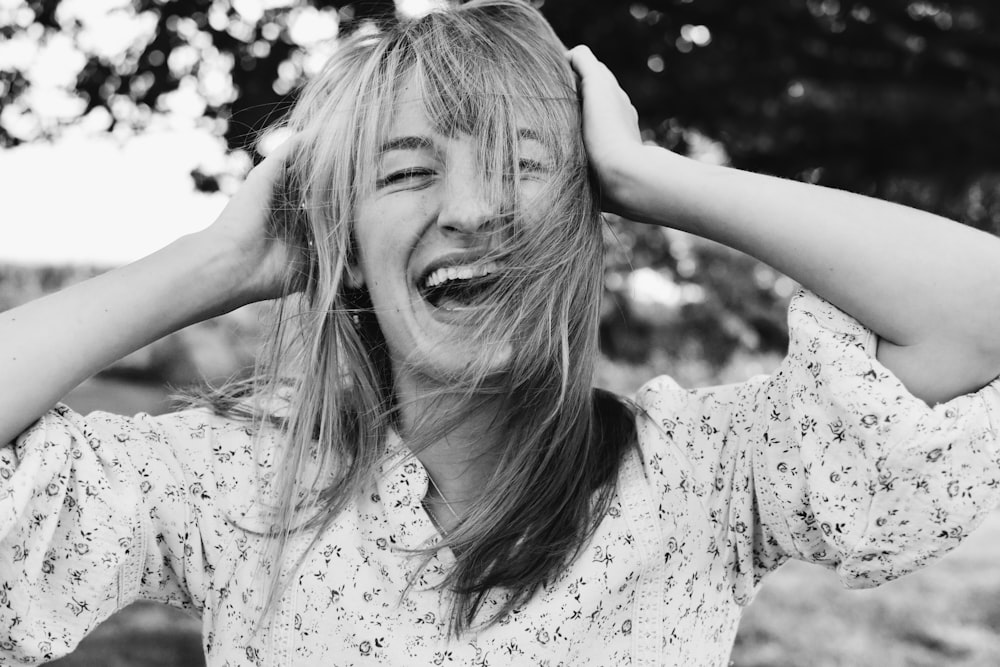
(465, 206)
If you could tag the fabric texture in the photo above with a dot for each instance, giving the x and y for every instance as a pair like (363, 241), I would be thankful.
(830, 460)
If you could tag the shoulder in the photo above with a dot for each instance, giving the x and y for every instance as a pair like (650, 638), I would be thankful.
(227, 464)
(687, 437)
(666, 410)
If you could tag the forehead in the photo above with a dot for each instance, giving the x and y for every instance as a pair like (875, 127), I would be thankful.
(410, 117)
(409, 112)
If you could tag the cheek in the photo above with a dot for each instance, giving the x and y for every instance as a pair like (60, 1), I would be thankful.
(385, 227)
(382, 262)
(535, 199)
(372, 243)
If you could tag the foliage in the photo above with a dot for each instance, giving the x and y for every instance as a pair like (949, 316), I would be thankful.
(889, 97)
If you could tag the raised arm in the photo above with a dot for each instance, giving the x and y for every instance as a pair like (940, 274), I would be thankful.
(50, 345)
(928, 287)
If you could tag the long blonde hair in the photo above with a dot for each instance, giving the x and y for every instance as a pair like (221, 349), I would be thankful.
(487, 69)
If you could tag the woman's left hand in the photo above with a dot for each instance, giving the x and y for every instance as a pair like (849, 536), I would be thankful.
(610, 129)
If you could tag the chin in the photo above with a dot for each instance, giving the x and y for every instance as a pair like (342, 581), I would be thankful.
(459, 362)
(443, 344)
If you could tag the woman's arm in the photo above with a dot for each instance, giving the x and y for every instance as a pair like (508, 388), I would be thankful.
(49, 346)
(928, 287)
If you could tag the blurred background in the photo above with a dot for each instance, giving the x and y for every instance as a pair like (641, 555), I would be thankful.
(127, 123)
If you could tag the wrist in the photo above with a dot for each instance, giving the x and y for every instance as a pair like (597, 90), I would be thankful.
(648, 186)
(219, 277)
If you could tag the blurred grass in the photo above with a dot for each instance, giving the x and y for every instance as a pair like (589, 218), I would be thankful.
(948, 614)
(145, 634)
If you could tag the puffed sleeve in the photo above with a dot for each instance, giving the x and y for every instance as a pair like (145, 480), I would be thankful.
(100, 511)
(830, 460)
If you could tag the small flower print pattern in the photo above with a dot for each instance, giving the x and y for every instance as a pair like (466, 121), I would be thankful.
(829, 460)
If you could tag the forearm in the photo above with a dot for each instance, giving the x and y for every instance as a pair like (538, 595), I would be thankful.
(52, 344)
(908, 275)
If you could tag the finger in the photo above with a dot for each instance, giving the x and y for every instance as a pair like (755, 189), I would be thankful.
(283, 151)
(272, 168)
(588, 66)
(581, 57)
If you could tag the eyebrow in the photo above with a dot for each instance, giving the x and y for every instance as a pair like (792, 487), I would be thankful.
(406, 144)
(416, 143)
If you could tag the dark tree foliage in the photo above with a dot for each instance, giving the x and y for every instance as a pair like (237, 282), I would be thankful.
(893, 98)
(862, 91)
(253, 74)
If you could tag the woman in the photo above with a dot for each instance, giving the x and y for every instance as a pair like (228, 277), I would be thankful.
(421, 472)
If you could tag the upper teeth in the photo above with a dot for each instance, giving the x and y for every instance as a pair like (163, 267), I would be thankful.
(463, 272)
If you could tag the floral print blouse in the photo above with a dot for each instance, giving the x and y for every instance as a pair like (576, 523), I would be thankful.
(829, 460)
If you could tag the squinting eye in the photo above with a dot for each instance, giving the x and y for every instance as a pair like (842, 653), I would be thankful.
(532, 166)
(402, 175)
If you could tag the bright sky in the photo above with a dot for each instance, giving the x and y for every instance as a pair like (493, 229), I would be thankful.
(91, 200)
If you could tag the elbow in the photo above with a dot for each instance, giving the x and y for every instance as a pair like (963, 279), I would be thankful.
(944, 368)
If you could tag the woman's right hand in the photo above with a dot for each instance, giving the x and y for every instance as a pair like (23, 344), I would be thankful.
(243, 228)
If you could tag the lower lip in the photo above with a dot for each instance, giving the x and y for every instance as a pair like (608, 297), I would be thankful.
(452, 316)
(455, 319)
(447, 315)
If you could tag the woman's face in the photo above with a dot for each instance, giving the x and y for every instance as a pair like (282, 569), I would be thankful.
(424, 232)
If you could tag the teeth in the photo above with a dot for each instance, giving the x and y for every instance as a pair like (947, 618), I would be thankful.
(464, 272)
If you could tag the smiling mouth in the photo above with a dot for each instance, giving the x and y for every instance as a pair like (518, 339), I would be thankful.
(457, 287)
